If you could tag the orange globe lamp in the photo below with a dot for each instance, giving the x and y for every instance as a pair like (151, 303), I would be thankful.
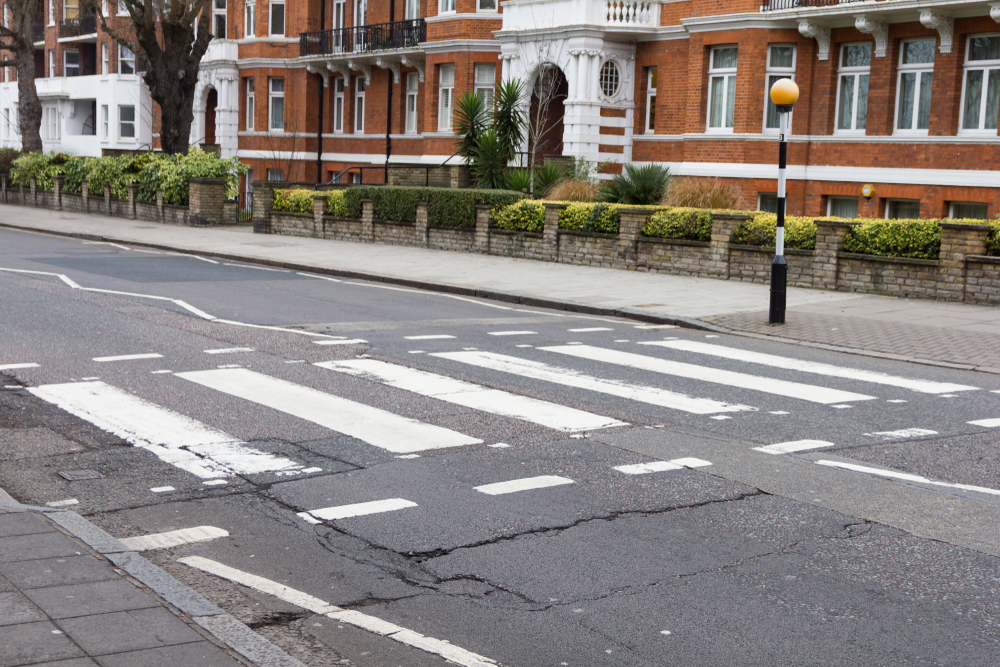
(784, 93)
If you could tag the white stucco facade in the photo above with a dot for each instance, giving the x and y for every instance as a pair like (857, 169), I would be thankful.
(219, 72)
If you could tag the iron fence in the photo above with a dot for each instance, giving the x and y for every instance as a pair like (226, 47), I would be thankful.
(773, 5)
(363, 39)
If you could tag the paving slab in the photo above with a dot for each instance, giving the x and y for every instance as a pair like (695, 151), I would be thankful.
(48, 572)
(128, 631)
(16, 609)
(33, 547)
(201, 654)
(102, 597)
(23, 523)
(32, 643)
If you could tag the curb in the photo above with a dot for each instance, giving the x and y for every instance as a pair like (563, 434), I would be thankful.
(523, 300)
(232, 633)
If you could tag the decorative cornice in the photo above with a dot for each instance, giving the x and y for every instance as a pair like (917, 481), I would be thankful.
(945, 25)
(877, 29)
(995, 11)
(316, 68)
(821, 33)
(391, 65)
(418, 65)
(364, 68)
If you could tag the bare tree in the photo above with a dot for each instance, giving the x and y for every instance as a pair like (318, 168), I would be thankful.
(162, 34)
(18, 40)
(546, 90)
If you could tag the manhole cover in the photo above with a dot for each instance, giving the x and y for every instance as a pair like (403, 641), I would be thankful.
(78, 475)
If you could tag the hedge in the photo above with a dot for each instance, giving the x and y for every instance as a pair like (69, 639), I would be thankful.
(150, 170)
(522, 216)
(585, 217)
(293, 201)
(993, 240)
(446, 207)
(895, 238)
(800, 232)
(692, 224)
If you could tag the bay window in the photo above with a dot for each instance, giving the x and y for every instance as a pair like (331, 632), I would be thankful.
(251, 104)
(486, 75)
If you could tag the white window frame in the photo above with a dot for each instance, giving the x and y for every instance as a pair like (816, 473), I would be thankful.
(986, 66)
(724, 73)
(480, 87)
(339, 86)
(122, 123)
(105, 122)
(783, 73)
(52, 63)
(650, 100)
(272, 97)
(951, 208)
(52, 12)
(251, 103)
(412, 10)
(272, 4)
(487, 10)
(280, 173)
(122, 9)
(412, 90)
(105, 59)
(917, 69)
(769, 195)
(66, 65)
(446, 97)
(889, 202)
(6, 120)
(218, 12)
(829, 203)
(249, 18)
(125, 55)
(446, 7)
(64, 9)
(339, 14)
(359, 104)
(857, 72)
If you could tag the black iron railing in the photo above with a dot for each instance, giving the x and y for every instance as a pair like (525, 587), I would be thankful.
(86, 25)
(38, 31)
(774, 5)
(364, 38)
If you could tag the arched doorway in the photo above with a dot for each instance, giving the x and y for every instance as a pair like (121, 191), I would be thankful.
(211, 103)
(546, 113)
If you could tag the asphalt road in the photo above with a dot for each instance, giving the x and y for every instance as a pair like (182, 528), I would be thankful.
(450, 466)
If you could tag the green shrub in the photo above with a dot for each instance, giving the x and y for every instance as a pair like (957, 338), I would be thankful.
(39, 165)
(643, 185)
(604, 218)
(680, 223)
(446, 207)
(895, 238)
(335, 203)
(7, 157)
(293, 201)
(800, 233)
(993, 240)
(522, 216)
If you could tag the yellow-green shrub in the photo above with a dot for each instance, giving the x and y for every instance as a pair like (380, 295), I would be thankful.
(335, 203)
(895, 238)
(585, 217)
(522, 216)
(761, 230)
(293, 201)
(692, 224)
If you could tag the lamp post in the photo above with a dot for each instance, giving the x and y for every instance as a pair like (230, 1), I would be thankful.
(784, 94)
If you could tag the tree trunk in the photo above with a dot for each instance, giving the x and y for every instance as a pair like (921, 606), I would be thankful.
(176, 99)
(29, 108)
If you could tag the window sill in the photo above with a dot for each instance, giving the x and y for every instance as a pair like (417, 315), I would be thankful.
(719, 130)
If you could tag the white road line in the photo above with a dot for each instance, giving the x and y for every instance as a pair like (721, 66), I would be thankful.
(360, 509)
(174, 538)
(793, 446)
(797, 390)
(788, 363)
(229, 350)
(904, 433)
(512, 333)
(353, 341)
(129, 357)
(524, 345)
(526, 484)
(655, 326)
(106, 243)
(691, 462)
(472, 395)
(11, 367)
(215, 482)
(429, 337)
(161, 372)
(590, 329)
(645, 468)
(895, 400)
(63, 503)
(986, 423)
(313, 275)
(446, 650)
(376, 427)
(204, 259)
(571, 378)
(906, 477)
(162, 489)
(309, 471)
(842, 407)
(259, 268)
(174, 438)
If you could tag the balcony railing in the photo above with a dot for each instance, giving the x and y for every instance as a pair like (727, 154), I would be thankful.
(38, 30)
(86, 25)
(632, 13)
(364, 38)
(774, 5)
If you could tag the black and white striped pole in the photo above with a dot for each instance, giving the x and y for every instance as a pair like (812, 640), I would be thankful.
(784, 94)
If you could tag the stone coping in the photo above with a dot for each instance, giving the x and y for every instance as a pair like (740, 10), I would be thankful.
(664, 241)
(890, 260)
(770, 250)
(580, 232)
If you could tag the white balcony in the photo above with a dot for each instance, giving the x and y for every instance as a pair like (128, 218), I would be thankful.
(613, 16)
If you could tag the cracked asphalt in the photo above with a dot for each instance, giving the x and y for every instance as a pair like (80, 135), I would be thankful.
(755, 559)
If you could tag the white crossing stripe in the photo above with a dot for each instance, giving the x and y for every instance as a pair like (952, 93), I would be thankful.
(903, 433)
(429, 337)
(906, 477)
(229, 350)
(571, 378)
(656, 326)
(129, 357)
(691, 462)
(63, 503)
(472, 395)
(644, 468)
(775, 361)
(174, 438)
(805, 392)
(353, 341)
(512, 333)
(590, 329)
(793, 446)
(174, 538)
(360, 509)
(986, 423)
(162, 489)
(372, 425)
(12, 367)
(446, 650)
(526, 484)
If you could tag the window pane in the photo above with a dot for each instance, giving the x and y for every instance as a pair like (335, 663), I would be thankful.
(992, 99)
(277, 19)
(767, 202)
(488, 4)
(862, 102)
(277, 113)
(128, 114)
(857, 55)
(973, 97)
(486, 74)
(984, 48)
(846, 102)
(924, 110)
(715, 108)
(772, 110)
(278, 85)
(918, 52)
(652, 112)
(724, 58)
(968, 211)
(447, 75)
(652, 78)
(730, 100)
(782, 56)
(843, 207)
(904, 209)
(907, 91)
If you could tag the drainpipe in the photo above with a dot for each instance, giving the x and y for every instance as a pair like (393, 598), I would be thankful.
(322, 96)
(388, 106)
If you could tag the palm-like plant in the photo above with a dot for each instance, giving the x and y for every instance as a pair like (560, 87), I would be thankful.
(489, 160)
(472, 118)
(508, 119)
(644, 185)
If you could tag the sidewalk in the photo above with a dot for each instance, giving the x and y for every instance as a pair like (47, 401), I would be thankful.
(76, 602)
(949, 334)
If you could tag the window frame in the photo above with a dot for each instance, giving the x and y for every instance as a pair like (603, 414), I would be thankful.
(412, 93)
(408, 7)
(360, 86)
(829, 204)
(857, 71)
(216, 15)
(251, 101)
(66, 65)
(122, 122)
(276, 171)
(951, 209)
(985, 66)
(918, 69)
(272, 96)
(478, 87)
(249, 19)
(52, 63)
(890, 202)
(339, 104)
(271, 6)
(651, 74)
(447, 7)
(768, 195)
(52, 12)
(487, 10)
(724, 73)
(784, 73)
(105, 122)
(65, 6)
(105, 59)
(122, 59)
(446, 121)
